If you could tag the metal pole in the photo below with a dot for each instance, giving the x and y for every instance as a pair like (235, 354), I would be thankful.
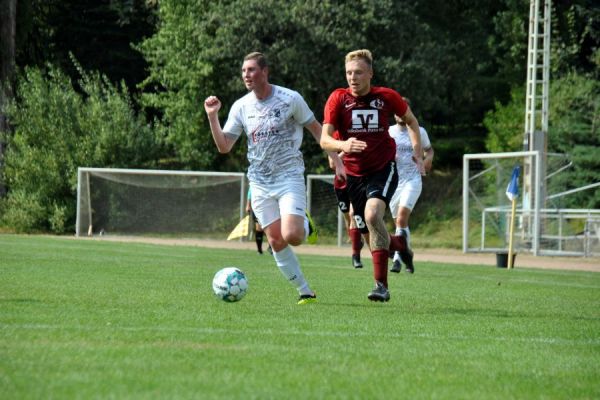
(465, 203)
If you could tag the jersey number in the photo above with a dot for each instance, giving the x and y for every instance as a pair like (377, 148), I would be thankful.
(360, 224)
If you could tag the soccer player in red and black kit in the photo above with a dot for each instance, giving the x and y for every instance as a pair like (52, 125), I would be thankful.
(361, 114)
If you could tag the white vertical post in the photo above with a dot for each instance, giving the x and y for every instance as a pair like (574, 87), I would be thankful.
(78, 217)
(89, 201)
(341, 227)
(308, 193)
(536, 212)
(465, 203)
(560, 230)
(483, 218)
(243, 199)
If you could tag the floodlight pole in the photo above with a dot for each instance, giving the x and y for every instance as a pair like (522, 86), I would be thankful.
(535, 137)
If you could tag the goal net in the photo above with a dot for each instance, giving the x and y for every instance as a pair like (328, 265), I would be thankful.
(545, 222)
(155, 202)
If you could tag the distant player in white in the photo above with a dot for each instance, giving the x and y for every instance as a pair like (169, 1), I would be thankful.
(273, 118)
(409, 183)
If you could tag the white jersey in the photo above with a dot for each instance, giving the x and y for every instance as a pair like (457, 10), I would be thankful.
(407, 168)
(274, 127)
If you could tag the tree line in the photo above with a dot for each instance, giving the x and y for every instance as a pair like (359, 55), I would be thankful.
(121, 83)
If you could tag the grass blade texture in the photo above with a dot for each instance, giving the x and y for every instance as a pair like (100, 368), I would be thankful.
(94, 319)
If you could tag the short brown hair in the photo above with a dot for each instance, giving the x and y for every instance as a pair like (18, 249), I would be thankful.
(260, 58)
(362, 54)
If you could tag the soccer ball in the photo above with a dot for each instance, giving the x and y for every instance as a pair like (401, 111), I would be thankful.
(230, 284)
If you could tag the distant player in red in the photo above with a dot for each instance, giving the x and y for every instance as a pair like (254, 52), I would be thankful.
(340, 188)
(361, 113)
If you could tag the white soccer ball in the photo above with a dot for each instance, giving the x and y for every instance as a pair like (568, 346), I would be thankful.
(230, 284)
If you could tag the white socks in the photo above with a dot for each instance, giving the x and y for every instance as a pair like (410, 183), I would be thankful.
(288, 264)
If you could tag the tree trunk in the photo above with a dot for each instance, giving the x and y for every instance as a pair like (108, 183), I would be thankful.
(8, 24)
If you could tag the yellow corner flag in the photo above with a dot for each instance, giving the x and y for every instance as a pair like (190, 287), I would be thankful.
(241, 230)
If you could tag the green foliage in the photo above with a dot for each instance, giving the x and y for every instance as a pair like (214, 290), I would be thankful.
(436, 58)
(506, 124)
(574, 120)
(574, 130)
(58, 129)
(508, 46)
(575, 36)
(98, 33)
(199, 48)
(22, 211)
(455, 60)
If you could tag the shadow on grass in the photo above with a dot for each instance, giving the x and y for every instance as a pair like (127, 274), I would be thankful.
(20, 301)
(483, 312)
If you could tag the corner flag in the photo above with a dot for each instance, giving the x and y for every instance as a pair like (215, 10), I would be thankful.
(242, 229)
(512, 190)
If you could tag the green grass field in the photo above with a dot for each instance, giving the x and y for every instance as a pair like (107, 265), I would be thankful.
(92, 319)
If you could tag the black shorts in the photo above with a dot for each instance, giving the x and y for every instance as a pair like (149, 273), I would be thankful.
(253, 216)
(343, 199)
(380, 184)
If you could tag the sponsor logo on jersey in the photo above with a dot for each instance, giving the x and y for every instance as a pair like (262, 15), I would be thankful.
(259, 135)
(365, 119)
(377, 103)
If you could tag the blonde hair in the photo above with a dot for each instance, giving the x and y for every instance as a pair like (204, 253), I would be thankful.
(362, 54)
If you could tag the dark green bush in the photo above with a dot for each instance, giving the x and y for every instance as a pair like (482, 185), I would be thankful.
(58, 127)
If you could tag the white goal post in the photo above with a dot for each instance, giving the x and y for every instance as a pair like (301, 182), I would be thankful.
(546, 223)
(144, 202)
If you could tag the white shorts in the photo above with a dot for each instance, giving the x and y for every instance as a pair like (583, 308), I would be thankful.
(271, 201)
(406, 195)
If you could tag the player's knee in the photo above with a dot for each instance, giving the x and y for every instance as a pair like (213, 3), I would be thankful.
(278, 243)
(296, 241)
(294, 238)
(275, 238)
(371, 217)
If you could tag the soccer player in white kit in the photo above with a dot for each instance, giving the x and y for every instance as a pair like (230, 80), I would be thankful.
(409, 186)
(273, 118)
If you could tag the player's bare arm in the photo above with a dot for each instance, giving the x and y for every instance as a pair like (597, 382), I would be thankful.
(428, 160)
(335, 162)
(329, 144)
(415, 137)
(331, 163)
(212, 105)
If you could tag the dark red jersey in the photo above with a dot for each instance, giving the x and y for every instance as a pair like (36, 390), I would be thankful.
(367, 118)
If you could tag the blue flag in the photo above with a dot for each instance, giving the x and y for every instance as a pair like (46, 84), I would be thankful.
(512, 191)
